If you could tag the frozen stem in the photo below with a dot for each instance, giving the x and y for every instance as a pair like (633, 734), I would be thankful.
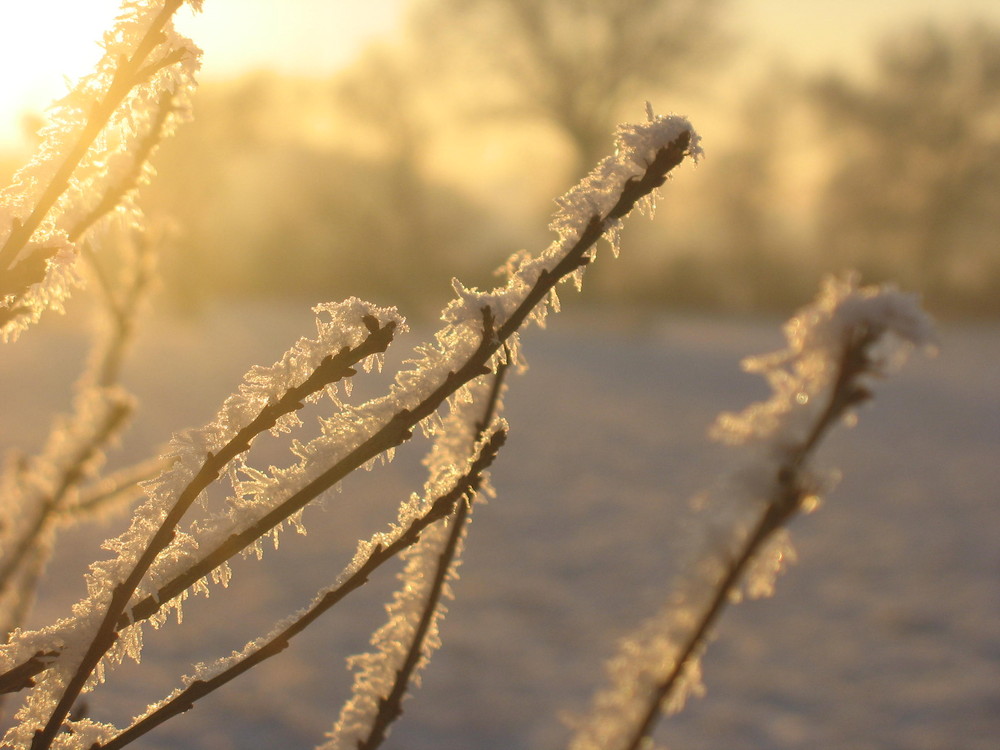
(126, 78)
(49, 507)
(333, 368)
(130, 181)
(790, 489)
(116, 489)
(390, 705)
(441, 508)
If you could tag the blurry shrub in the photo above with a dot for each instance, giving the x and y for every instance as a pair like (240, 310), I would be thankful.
(916, 191)
(265, 210)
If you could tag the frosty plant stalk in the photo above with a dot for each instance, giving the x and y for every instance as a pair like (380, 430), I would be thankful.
(479, 323)
(378, 551)
(95, 149)
(46, 490)
(847, 337)
(156, 561)
(409, 637)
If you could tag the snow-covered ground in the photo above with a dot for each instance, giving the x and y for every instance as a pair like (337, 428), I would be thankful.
(885, 634)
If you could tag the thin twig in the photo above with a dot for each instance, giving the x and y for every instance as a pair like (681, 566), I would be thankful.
(391, 706)
(790, 491)
(71, 475)
(332, 369)
(114, 194)
(103, 370)
(399, 428)
(444, 505)
(115, 488)
(124, 81)
(32, 269)
(123, 309)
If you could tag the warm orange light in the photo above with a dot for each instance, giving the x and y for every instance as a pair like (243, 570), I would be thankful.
(46, 43)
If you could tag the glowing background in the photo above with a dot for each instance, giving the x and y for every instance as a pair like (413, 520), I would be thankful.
(50, 39)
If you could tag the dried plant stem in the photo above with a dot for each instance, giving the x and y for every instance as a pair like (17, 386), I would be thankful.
(122, 308)
(30, 574)
(117, 488)
(790, 490)
(130, 181)
(332, 369)
(130, 72)
(49, 507)
(443, 506)
(391, 706)
(396, 431)
(103, 371)
(32, 270)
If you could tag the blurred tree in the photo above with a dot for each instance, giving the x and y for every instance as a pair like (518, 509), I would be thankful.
(380, 91)
(516, 69)
(572, 64)
(277, 210)
(916, 193)
(756, 265)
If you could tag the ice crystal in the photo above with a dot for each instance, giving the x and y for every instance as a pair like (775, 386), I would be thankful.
(592, 199)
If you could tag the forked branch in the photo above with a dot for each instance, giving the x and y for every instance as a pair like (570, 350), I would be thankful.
(127, 76)
(442, 507)
(332, 369)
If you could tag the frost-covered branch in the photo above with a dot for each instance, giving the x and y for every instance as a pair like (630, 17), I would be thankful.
(477, 325)
(116, 489)
(123, 80)
(848, 336)
(408, 639)
(108, 423)
(42, 490)
(394, 431)
(370, 556)
(329, 370)
(122, 305)
(93, 152)
(390, 707)
(131, 179)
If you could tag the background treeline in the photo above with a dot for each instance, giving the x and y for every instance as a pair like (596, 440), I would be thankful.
(408, 166)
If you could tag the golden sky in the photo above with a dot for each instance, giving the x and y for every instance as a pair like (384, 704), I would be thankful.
(57, 39)
(53, 39)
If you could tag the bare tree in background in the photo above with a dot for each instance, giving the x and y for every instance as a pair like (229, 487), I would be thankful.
(916, 194)
(572, 64)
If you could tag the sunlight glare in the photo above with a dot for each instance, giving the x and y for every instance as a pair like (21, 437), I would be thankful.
(51, 43)
(47, 44)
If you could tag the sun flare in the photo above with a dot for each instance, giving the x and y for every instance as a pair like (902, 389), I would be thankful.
(47, 43)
